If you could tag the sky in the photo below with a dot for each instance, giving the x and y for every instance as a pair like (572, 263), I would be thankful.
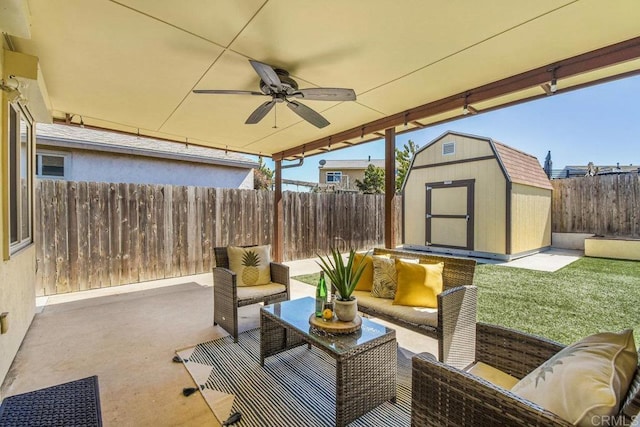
(599, 124)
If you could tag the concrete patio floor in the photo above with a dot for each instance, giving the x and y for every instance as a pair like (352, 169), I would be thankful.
(127, 335)
(550, 260)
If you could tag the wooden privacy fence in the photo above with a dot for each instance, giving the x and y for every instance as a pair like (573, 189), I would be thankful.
(604, 204)
(95, 235)
(315, 222)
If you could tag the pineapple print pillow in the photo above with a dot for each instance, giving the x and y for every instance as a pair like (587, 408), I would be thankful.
(251, 265)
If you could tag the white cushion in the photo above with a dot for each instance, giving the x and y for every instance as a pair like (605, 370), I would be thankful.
(260, 291)
(585, 381)
(493, 375)
(417, 315)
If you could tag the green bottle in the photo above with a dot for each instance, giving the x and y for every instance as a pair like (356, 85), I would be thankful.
(321, 295)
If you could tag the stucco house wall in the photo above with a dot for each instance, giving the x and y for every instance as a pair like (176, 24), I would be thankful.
(109, 167)
(17, 270)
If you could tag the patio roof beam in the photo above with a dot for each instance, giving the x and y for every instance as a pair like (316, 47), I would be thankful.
(599, 58)
(389, 187)
(141, 133)
(278, 215)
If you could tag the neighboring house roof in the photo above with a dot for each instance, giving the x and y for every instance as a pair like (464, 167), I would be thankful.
(351, 164)
(521, 167)
(94, 140)
(602, 170)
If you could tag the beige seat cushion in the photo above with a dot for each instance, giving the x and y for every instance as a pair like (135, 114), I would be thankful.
(260, 291)
(417, 315)
(252, 265)
(493, 375)
(586, 380)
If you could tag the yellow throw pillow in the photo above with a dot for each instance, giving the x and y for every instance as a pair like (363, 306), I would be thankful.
(585, 381)
(252, 265)
(366, 280)
(418, 284)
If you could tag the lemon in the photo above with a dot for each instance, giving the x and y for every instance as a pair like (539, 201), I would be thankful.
(327, 314)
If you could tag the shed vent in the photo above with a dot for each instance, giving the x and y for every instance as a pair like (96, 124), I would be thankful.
(448, 148)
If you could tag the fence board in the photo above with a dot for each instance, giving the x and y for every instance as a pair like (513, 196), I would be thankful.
(159, 230)
(49, 246)
(72, 234)
(61, 238)
(125, 263)
(168, 231)
(38, 237)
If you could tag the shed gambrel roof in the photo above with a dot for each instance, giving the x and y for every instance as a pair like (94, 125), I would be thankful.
(518, 166)
(521, 167)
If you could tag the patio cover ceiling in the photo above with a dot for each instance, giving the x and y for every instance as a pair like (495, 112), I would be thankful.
(130, 65)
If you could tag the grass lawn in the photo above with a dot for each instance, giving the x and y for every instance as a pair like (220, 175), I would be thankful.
(588, 296)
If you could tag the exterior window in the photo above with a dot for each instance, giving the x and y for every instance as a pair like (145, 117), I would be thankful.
(334, 177)
(448, 148)
(50, 165)
(20, 181)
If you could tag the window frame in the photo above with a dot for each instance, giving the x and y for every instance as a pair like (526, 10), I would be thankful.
(333, 175)
(19, 225)
(38, 164)
(446, 144)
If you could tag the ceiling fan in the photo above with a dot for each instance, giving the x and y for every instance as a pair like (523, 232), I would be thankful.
(277, 84)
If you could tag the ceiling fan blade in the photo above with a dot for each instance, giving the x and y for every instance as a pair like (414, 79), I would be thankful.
(228, 92)
(260, 112)
(308, 114)
(326, 94)
(268, 75)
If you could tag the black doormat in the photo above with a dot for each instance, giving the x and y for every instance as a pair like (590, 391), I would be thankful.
(76, 403)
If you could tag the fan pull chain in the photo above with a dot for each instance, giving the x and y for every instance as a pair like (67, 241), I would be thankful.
(275, 116)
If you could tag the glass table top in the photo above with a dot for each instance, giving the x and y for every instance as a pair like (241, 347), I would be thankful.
(296, 314)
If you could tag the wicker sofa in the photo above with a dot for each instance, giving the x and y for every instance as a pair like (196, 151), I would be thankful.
(228, 296)
(444, 395)
(452, 323)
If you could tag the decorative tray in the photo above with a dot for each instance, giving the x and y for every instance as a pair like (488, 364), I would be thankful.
(335, 326)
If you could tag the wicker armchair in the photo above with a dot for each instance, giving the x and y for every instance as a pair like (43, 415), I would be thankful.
(228, 296)
(443, 395)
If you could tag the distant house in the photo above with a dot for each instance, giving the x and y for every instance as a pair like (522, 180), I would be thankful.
(81, 154)
(591, 169)
(342, 174)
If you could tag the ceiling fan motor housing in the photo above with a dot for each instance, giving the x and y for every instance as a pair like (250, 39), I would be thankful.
(288, 83)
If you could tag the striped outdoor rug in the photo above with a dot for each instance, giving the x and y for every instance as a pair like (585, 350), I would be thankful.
(295, 388)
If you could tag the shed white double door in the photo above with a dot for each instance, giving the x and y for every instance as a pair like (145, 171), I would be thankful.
(449, 214)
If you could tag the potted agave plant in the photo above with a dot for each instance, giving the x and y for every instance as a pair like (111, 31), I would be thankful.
(344, 278)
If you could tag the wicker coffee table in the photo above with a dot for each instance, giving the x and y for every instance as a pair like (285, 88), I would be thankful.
(366, 360)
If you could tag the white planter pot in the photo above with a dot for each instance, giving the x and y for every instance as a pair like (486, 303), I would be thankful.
(346, 311)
